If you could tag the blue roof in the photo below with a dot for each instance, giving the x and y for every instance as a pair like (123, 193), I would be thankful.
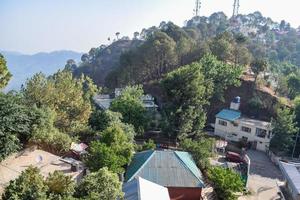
(229, 115)
(166, 168)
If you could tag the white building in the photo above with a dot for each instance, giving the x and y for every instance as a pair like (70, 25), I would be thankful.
(231, 125)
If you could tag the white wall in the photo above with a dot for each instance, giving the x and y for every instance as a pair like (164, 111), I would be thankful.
(228, 131)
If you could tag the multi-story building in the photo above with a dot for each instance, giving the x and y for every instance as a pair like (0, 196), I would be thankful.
(233, 126)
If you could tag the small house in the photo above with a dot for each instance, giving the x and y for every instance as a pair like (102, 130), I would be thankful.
(233, 126)
(175, 170)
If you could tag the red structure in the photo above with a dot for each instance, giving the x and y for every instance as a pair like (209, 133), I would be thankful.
(181, 193)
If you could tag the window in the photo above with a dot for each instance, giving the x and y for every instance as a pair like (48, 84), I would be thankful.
(262, 133)
(246, 129)
(223, 123)
(269, 134)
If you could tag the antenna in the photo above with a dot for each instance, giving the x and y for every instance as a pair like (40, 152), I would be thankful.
(236, 7)
(197, 8)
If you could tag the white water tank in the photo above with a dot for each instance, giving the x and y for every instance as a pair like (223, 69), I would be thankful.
(235, 103)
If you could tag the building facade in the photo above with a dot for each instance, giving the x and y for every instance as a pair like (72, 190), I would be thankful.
(232, 126)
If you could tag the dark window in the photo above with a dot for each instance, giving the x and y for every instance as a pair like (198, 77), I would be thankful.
(246, 129)
(269, 134)
(261, 133)
(223, 123)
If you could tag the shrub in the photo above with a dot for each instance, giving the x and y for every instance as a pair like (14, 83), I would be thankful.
(226, 183)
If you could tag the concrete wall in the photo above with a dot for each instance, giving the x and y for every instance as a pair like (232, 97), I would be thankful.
(233, 132)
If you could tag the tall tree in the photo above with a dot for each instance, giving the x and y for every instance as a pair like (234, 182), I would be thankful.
(284, 130)
(67, 96)
(5, 75)
(188, 93)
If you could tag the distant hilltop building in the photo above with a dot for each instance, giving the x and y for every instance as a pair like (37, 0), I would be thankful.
(104, 101)
(233, 126)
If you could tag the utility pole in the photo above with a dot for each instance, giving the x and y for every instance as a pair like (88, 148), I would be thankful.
(236, 7)
(197, 8)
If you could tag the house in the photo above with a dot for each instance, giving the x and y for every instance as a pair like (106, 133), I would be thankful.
(141, 189)
(175, 170)
(291, 172)
(104, 101)
(233, 126)
(13, 166)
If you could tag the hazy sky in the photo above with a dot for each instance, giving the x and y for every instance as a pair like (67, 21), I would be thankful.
(31, 26)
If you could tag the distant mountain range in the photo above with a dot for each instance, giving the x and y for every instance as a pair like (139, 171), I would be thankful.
(24, 66)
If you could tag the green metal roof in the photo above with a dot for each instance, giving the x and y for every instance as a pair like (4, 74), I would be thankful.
(188, 161)
(137, 162)
(230, 115)
(166, 168)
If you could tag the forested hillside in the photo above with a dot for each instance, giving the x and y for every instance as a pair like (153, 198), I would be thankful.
(162, 49)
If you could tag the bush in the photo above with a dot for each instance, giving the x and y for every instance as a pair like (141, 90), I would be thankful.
(226, 183)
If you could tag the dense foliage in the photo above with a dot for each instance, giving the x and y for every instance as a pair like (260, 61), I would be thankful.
(114, 150)
(284, 131)
(31, 185)
(130, 105)
(226, 183)
(5, 75)
(101, 184)
(189, 90)
(67, 96)
(201, 150)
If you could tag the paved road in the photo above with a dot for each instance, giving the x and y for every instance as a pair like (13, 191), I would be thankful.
(263, 177)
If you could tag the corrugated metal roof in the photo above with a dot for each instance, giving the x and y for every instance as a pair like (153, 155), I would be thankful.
(292, 174)
(230, 115)
(142, 189)
(166, 168)
(137, 162)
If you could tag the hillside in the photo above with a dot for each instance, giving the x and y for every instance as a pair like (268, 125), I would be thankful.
(99, 62)
(166, 47)
(24, 66)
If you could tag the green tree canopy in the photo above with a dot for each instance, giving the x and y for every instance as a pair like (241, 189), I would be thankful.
(130, 105)
(114, 150)
(188, 93)
(100, 120)
(67, 96)
(284, 129)
(5, 75)
(28, 186)
(226, 183)
(101, 184)
(17, 122)
(201, 150)
(59, 186)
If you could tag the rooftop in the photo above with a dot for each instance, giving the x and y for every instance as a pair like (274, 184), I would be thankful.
(229, 115)
(291, 171)
(166, 168)
(236, 116)
(12, 167)
(141, 189)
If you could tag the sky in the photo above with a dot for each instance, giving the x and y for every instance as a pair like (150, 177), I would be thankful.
(31, 26)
